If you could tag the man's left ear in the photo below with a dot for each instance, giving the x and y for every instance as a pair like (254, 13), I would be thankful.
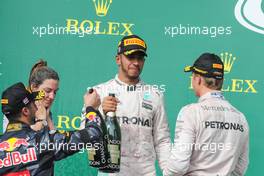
(199, 79)
(25, 111)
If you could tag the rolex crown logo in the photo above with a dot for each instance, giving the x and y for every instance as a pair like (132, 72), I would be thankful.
(102, 7)
(228, 61)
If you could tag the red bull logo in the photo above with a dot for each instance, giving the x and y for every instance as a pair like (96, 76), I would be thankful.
(16, 158)
(4, 146)
(20, 173)
(12, 143)
(92, 116)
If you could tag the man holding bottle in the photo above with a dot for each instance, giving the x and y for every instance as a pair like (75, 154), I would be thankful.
(139, 109)
(27, 152)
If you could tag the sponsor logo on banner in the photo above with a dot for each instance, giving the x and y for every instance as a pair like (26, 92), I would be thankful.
(228, 60)
(67, 123)
(250, 14)
(100, 26)
(102, 7)
(234, 84)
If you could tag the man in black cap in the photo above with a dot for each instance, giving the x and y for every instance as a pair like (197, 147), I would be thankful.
(211, 136)
(26, 152)
(140, 110)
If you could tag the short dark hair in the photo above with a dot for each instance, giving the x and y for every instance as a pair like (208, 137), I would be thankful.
(15, 116)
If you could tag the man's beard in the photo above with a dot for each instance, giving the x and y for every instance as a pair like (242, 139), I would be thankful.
(32, 116)
(131, 77)
(32, 119)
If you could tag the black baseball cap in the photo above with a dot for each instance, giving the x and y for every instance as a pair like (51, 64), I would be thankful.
(15, 97)
(131, 44)
(208, 65)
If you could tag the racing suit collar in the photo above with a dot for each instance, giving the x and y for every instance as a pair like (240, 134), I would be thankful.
(213, 94)
(128, 87)
(16, 126)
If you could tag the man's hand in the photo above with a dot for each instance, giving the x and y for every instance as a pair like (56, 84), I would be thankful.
(92, 99)
(41, 113)
(49, 121)
(40, 116)
(109, 104)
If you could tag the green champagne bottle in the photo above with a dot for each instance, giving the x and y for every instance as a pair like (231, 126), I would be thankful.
(114, 142)
(98, 155)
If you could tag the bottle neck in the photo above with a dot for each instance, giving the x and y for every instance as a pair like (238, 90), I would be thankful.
(111, 114)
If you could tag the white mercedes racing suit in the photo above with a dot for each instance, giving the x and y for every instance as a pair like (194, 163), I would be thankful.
(211, 139)
(144, 127)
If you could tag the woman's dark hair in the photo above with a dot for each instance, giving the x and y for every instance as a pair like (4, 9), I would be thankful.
(40, 72)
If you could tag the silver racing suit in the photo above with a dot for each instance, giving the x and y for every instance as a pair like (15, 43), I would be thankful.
(144, 126)
(211, 138)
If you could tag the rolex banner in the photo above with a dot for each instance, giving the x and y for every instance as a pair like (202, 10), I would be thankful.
(79, 40)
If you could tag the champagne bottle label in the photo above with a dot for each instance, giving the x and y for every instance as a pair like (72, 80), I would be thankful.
(113, 143)
(97, 155)
(91, 154)
(114, 153)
